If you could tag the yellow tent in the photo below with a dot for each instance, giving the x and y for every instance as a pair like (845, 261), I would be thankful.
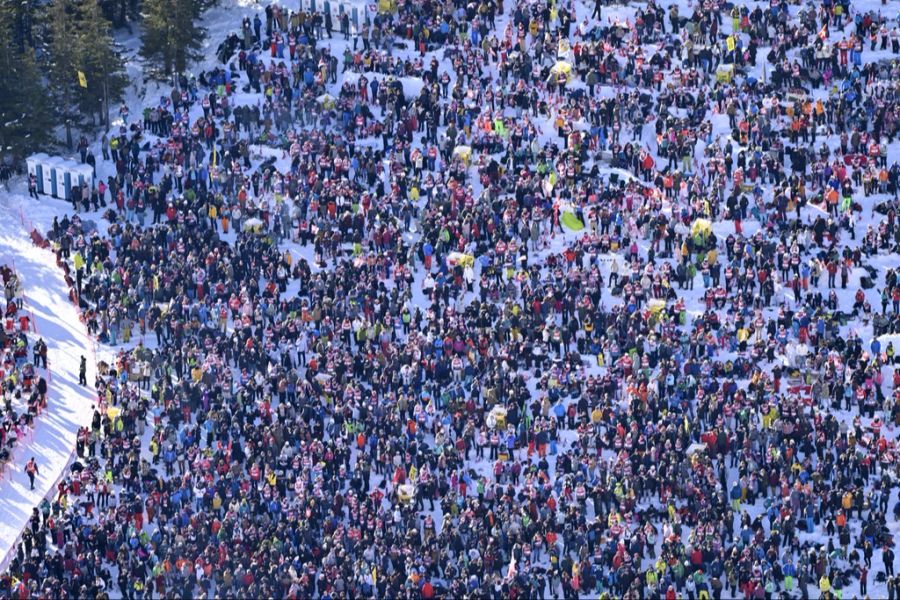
(252, 225)
(458, 258)
(561, 66)
(406, 493)
(724, 73)
(464, 153)
(701, 227)
(656, 305)
(496, 419)
(326, 100)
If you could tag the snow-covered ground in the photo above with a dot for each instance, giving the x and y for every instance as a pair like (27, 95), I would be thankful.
(52, 439)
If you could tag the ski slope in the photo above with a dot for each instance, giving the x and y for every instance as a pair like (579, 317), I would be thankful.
(52, 440)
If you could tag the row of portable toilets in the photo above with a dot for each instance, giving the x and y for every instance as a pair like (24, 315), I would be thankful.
(337, 9)
(56, 176)
(356, 12)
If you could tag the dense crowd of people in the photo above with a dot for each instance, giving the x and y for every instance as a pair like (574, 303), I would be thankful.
(23, 369)
(479, 300)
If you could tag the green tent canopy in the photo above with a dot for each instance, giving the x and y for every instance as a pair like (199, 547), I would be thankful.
(571, 221)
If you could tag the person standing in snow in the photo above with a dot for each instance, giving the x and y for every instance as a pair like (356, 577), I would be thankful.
(40, 353)
(82, 372)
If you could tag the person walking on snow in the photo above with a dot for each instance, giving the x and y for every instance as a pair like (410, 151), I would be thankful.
(82, 372)
(32, 469)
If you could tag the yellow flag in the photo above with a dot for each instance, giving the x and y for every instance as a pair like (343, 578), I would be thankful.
(730, 42)
(82, 80)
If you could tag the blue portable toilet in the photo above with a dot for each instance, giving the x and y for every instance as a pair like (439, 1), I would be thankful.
(63, 176)
(83, 173)
(49, 173)
(36, 164)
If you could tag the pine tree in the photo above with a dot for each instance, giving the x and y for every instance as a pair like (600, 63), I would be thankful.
(99, 60)
(18, 16)
(26, 117)
(171, 35)
(61, 62)
(119, 12)
(80, 43)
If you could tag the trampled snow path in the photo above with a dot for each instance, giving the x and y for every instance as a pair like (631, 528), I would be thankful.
(52, 441)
